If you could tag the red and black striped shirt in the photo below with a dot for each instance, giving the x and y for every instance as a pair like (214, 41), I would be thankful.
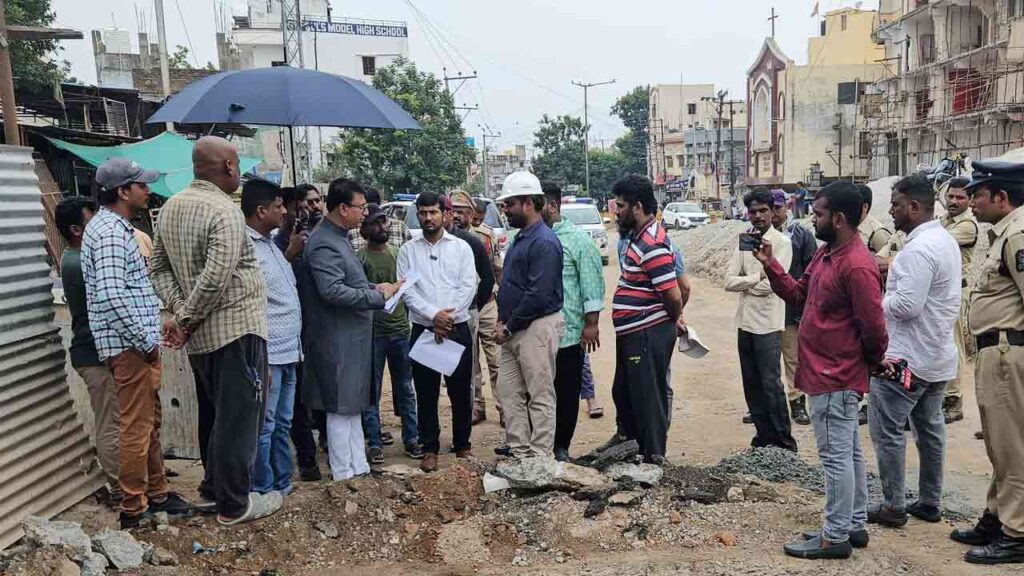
(647, 271)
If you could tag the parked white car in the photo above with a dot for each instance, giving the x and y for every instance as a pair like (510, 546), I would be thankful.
(587, 217)
(683, 215)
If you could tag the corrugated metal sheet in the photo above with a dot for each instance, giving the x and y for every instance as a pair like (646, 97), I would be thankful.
(46, 461)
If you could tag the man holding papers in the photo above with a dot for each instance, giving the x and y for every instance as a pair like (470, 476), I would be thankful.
(439, 302)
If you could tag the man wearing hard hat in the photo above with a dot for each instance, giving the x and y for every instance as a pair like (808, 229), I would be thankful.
(530, 323)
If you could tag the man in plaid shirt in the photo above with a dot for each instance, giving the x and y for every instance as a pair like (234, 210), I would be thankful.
(124, 316)
(398, 231)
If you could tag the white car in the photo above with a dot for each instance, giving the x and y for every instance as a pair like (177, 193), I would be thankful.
(587, 217)
(683, 215)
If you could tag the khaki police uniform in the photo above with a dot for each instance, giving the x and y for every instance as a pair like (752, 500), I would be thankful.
(964, 229)
(896, 243)
(996, 320)
(486, 346)
(874, 235)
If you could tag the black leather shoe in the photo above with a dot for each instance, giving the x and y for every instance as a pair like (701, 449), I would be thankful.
(173, 505)
(798, 412)
(612, 442)
(310, 473)
(503, 450)
(816, 549)
(748, 419)
(858, 538)
(988, 529)
(886, 517)
(561, 454)
(926, 513)
(1004, 550)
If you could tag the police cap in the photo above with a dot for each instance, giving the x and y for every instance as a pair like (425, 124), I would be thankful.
(996, 171)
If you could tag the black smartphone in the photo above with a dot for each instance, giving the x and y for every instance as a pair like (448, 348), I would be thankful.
(749, 241)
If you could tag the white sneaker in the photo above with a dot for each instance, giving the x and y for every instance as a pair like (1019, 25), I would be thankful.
(260, 506)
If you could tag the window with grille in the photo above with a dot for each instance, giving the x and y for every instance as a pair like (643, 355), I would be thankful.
(369, 65)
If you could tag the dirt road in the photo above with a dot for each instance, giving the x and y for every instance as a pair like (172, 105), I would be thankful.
(430, 538)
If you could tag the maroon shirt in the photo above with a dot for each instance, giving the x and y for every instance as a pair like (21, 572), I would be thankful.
(842, 332)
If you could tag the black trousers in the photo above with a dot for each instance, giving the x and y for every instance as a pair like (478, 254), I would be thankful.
(231, 386)
(761, 368)
(641, 390)
(568, 381)
(460, 392)
(303, 424)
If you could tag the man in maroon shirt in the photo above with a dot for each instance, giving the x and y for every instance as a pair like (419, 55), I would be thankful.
(842, 337)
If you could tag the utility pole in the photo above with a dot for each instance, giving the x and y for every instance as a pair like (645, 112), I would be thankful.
(8, 34)
(487, 134)
(161, 36)
(839, 135)
(732, 146)
(586, 126)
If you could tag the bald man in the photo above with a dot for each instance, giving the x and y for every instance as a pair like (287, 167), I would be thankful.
(205, 270)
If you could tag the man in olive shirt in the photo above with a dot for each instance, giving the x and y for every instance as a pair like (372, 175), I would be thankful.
(390, 342)
(71, 217)
(964, 227)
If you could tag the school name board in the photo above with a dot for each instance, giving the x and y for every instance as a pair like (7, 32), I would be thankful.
(352, 28)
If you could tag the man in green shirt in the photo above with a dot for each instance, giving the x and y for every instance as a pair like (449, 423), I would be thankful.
(71, 217)
(390, 342)
(582, 301)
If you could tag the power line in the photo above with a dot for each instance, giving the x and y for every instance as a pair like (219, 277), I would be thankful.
(188, 38)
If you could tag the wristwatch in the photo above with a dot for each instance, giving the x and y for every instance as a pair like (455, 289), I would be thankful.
(507, 332)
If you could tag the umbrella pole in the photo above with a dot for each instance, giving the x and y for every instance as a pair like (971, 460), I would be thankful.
(291, 147)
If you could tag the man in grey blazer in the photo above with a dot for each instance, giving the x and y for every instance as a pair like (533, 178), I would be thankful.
(337, 319)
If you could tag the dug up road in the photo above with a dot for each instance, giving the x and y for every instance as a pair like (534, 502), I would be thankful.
(443, 523)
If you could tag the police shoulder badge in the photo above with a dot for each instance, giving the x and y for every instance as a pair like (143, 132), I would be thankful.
(1019, 258)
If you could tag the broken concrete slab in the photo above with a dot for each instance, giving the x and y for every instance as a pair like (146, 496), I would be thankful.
(549, 474)
(93, 564)
(41, 532)
(649, 474)
(120, 547)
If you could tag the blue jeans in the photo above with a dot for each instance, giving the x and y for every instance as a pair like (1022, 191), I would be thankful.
(890, 408)
(394, 349)
(274, 467)
(834, 418)
(587, 391)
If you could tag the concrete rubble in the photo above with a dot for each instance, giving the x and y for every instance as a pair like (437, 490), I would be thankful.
(41, 532)
(120, 547)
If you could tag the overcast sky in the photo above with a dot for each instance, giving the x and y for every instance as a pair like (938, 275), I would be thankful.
(526, 52)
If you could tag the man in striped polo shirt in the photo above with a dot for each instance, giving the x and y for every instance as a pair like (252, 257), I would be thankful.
(645, 309)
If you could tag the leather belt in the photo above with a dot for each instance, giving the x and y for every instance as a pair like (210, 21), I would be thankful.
(991, 338)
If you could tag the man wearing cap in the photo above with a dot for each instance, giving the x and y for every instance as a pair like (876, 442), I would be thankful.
(461, 227)
(398, 231)
(760, 321)
(530, 322)
(124, 317)
(996, 320)
(804, 247)
(964, 227)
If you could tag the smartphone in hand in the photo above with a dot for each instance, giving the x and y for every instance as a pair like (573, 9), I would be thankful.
(749, 241)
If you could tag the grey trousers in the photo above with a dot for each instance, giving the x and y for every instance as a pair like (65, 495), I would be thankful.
(888, 411)
(834, 419)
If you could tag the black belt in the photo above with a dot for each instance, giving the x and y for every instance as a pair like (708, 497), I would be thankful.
(991, 338)
(963, 283)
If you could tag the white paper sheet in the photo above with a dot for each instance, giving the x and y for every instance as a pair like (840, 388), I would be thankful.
(411, 278)
(443, 357)
(690, 344)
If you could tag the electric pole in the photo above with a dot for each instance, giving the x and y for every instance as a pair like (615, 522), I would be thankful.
(298, 140)
(586, 126)
(161, 38)
(487, 134)
(732, 146)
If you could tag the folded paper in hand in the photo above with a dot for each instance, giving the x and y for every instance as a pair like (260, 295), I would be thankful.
(411, 278)
(443, 357)
(690, 344)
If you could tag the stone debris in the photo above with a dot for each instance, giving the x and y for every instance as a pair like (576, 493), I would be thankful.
(726, 538)
(625, 498)
(328, 529)
(401, 470)
(94, 564)
(40, 532)
(548, 474)
(68, 568)
(775, 465)
(735, 494)
(163, 557)
(351, 507)
(647, 474)
(494, 483)
(120, 548)
(601, 459)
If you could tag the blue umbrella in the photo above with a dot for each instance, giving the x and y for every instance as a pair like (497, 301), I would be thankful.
(283, 96)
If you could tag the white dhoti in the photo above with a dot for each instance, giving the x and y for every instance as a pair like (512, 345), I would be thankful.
(346, 450)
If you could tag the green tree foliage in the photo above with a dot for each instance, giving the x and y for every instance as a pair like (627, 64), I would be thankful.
(632, 109)
(606, 166)
(432, 159)
(34, 62)
(559, 144)
(475, 185)
(179, 60)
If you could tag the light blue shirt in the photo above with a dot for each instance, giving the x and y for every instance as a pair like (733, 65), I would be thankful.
(284, 315)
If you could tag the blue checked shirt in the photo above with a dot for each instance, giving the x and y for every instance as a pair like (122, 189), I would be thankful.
(124, 312)
(284, 317)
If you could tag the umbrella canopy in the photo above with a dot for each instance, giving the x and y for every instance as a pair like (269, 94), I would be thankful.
(168, 153)
(284, 96)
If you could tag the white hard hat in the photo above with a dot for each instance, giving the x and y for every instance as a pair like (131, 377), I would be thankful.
(520, 184)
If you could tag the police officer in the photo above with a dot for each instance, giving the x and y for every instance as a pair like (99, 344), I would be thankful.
(962, 225)
(872, 232)
(995, 317)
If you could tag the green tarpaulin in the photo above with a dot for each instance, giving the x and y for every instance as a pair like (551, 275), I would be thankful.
(169, 153)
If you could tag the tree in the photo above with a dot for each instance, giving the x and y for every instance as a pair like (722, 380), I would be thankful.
(475, 185)
(179, 60)
(606, 167)
(633, 110)
(559, 142)
(33, 62)
(434, 158)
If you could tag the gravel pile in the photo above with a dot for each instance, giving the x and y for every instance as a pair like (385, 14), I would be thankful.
(775, 465)
(708, 249)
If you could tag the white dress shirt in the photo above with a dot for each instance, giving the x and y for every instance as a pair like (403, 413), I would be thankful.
(922, 302)
(447, 278)
(759, 310)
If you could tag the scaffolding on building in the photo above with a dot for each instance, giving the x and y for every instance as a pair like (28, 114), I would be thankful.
(953, 84)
